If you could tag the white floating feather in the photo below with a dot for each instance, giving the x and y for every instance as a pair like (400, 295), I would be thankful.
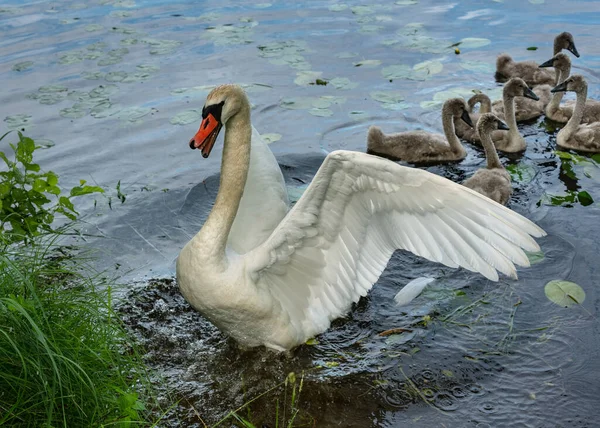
(411, 290)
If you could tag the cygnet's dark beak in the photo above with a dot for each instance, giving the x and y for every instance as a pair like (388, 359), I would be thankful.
(573, 50)
(549, 63)
(560, 88)
(466, 118)
(502, 126)
(528, 93)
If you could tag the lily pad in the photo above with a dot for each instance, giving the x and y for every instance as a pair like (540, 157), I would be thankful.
(362, 10)
(338, 7)
(121, 14)
(271, 138)
(535, 258)
(305, 78)
(22, 66)
(564, 293)
(368, 63)
(74, 112)
(134, 114)
(522, 173)
(428, 68)
(399, 339)
(104, 91)
(116, 76)
(105, 109)
(478, 66)
(94, 27)
(18, 121)
(537, 1)
(186, 117)
(370, 29)
(92, 75)
(406, 2)
(44, 143)
(70, 58)
(161, 47)
(474, 42)
(387, 96)
(342, 83)
(344, 55)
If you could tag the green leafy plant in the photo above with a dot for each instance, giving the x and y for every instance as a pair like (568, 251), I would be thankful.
(26, 209)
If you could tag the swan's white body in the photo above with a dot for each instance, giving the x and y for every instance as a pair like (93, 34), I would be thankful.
(333, 245)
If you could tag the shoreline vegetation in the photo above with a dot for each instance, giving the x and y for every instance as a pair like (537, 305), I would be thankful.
(66, 358)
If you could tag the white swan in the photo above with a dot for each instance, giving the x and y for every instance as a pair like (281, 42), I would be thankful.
(332, 246)
(506, 67)
(492, 181)
(575, 135)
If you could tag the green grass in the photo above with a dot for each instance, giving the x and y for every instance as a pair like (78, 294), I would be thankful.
(65, 359)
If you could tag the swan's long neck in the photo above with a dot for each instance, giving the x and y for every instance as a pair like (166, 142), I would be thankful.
(450, 133)
(575, 119)
(511, 120)
(212, 238)
(493, 161)
(561, 76)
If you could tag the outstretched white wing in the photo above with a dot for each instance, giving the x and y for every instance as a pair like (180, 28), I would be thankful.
(336, 241)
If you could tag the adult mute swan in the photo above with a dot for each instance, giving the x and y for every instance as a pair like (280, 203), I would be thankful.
(575, 135)
(506, 67)
(282, 288)
(422, 146)
(492, 181)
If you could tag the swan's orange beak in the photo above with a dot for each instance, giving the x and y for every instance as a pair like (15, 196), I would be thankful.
(207, 135)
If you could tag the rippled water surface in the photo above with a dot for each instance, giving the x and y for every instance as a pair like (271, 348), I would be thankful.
(113, 89)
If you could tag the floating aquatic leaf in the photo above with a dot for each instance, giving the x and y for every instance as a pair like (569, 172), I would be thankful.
(110, 60)
(44, 143)
(522, 173)
(321, 112)
(344, 55)
(115, 76)
(564, 293)
(474, 42)
(48, 98)
(105, 109)
(187, 117)
(22, 66)
(147, 68)
(312, 341)
(129, 41)
(263, 5)
(478, 66)
(121, 14)
(135, 114)
(535, 258)
(94, 27)
(92, 55)
(568, 200)
(271, 138)
(396, 106)
(342, 83)
(428, 68)
(53, 88)
(390, 97)
(104, 91)
(369, 29)
(124, 30)
(399, 339)
(73, 112)
(406, 2)
(362, 10)
(537, 1)
(338, 7)
(358, 115)
(70, 57)
(532, 48)
(69, 21)
(161, 47)
(92, 75)
(368, 63)
(304, 78)
(399, 71)
(18, 121)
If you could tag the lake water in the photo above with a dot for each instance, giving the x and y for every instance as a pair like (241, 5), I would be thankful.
(113, 90)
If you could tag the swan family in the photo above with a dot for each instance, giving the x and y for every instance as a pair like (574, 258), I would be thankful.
(272, 275)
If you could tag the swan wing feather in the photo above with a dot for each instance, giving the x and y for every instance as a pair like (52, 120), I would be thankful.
(336, 241)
